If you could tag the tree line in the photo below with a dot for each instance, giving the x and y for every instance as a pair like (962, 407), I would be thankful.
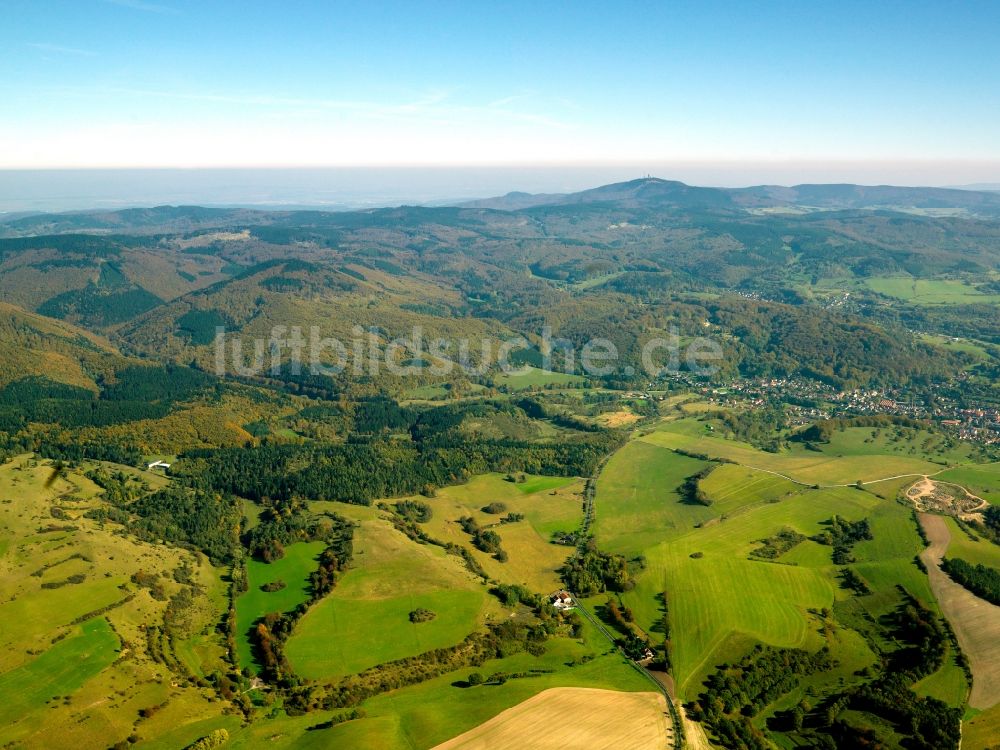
(360, 472)
(981, 580)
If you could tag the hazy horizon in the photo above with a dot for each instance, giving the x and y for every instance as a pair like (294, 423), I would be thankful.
(339, 188)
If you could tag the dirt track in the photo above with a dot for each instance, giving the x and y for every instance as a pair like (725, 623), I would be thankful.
(562, 718)
(694, 735)
(976, 622)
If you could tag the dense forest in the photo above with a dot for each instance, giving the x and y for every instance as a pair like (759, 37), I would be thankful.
(360, 473)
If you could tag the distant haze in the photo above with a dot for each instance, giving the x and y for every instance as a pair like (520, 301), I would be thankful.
(360, 187)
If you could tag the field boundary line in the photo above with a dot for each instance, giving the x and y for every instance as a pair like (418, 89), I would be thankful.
(832, 486)
(590, 496)
(675, 719)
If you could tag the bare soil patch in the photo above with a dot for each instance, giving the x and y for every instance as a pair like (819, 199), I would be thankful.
(574, 717)
(929, 495)
(975, 621)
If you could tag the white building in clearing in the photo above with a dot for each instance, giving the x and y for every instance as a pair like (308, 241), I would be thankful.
(561, 600)
(158, 465)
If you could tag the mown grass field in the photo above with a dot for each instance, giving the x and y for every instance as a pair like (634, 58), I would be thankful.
(720, 602)
(732, 487)
(642, 481)
(722, 599)
(930, 291)
(534, 377)
(432, 712)
(294, 568)
(845, 461)
(365, 620)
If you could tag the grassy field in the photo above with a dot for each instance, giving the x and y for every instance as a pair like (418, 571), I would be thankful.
(845, 461)
(61, 670)
(720, 601)
(643, 506)
(427, 392)
(549, 504)
(540, 484)
(982, 480)
(982, 551)
(732, 487)
(950, 343)
(897, 441)
(294, 568)
(425, 715)
(62, 682)
(533, 377)
(365, 620)
(930, 291)
(980, 732)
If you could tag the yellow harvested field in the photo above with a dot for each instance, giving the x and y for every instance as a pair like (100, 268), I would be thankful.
(975, 621)
(574, 717)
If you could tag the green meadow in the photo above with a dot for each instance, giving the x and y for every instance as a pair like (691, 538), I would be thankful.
(294, 568)
(638, 502)
(950, 343)
(930, 291)
(720, 601)
(980, 731)
(720, 597)
(978, 551)
(846, 460)
(982, 480)
(365, 621)
(75, 667)
(732, 487)
(427, 714)
(549, 504)
(534, 377)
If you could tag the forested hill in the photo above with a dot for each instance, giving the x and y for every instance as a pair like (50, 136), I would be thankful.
(844, 284)
(651, 191)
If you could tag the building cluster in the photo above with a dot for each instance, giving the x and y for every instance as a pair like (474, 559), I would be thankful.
(806, 401)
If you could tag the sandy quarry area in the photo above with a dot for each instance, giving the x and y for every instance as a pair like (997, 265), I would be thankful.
(929, 495)
(574, 717)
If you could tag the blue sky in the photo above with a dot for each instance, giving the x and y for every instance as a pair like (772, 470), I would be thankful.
(177, 83)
